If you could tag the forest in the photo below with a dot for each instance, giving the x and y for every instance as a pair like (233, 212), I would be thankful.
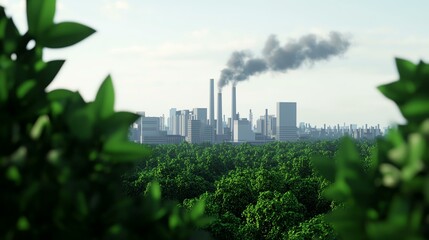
(268, 191)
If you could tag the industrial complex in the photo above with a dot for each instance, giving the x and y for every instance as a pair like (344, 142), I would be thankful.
(200, 126)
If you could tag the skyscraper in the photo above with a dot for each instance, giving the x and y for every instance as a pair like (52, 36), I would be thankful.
(172, 122)
(286, 121)
(200, 114)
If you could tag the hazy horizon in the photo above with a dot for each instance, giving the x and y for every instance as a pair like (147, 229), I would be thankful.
(162, 55)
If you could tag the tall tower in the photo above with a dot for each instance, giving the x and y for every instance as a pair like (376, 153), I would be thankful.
(266, 123)
(251, 118)
(233, 109)
(219, 128)
(286, 121)
(211, 118)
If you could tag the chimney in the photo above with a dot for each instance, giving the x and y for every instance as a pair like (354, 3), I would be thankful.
(233, 109)
(211, 122)
(219, 129)
(266, 122)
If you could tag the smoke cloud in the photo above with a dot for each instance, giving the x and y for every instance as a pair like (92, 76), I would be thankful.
(307, 50)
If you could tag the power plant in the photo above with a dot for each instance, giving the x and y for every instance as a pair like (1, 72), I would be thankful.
(195, 126)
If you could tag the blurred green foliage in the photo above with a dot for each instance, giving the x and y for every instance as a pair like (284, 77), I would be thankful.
(62, 159)
(390, 198)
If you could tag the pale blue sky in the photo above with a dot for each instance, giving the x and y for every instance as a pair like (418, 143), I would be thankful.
(162, 54)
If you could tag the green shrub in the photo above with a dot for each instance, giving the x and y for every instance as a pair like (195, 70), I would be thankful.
(388, 198)
(62, 159)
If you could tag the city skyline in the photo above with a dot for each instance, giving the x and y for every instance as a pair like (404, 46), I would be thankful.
(161, 55)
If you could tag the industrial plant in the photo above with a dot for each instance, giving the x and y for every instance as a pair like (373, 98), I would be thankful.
(196, 126)
(193, 125)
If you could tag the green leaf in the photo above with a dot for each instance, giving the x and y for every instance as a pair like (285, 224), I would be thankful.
(121, 119)
(124, 150)
(61, 94)
(398, 91)
(415, 164)
(174, 220)
(12, 37)
(40, 16)
(105, 99)
(82, 204)
(81, 123)
(3, 22)
(65, 34)
(198, 210)
(4, 93)
(37, 129)
(2, 13)
(417, 107)
(155, 191)
(25, 88)
(48, 72)
(23, 224)
(406, 69)
(347, 221)
(13, 174)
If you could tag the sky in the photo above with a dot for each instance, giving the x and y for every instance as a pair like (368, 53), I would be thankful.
(161, 54)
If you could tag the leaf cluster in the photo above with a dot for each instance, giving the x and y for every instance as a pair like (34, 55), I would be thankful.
(391, 199)
(62, 159)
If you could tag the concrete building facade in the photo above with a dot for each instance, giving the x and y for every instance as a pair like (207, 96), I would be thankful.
(286, 121)
(243, 131)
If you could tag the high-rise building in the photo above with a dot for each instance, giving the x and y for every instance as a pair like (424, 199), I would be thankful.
(200, 114)
(243, 131)
(162, 123)
(211, 108)
(150, 126)
(251, 118)
(199, 132)
(286, 121)
(271, 126)
(260, 125)
(183, 122)
(172, 122)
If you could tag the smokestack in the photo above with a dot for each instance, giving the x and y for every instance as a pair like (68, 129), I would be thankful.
(266, 122)
(219, 129)
(211, 120)
(233, 109)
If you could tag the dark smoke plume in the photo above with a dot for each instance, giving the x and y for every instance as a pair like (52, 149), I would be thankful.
(308, 49)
